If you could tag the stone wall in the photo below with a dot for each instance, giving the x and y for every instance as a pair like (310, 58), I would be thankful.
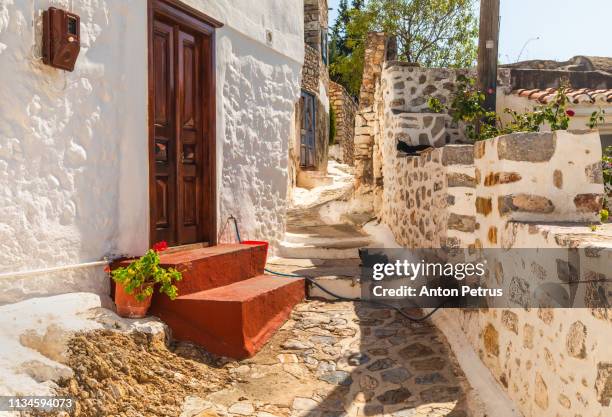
(531, 190)
(315, 22)
(537, 177)
(344, 109)
(542, 190)
(369, 112)
(428, 200)
(550, 361)
(311, 72)
(504, 193)
(394, 101)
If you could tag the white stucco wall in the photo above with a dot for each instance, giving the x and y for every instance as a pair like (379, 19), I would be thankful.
(73, 146)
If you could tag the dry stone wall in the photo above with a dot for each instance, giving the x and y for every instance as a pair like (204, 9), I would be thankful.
(311, 72)
(344, 109)
(369, 113)
(428, 200)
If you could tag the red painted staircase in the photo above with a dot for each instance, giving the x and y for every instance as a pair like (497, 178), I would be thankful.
(226, 304)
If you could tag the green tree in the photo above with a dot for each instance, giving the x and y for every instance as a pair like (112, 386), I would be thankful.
(433, 33)
(346, 67)
(337, 45)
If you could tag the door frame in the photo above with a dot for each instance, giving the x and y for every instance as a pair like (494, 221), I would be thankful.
(205, 26)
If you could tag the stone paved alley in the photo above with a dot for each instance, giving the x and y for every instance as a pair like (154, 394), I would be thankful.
(344, 359)
(331, 359)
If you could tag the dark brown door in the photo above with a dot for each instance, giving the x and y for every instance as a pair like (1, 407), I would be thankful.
(182, 197)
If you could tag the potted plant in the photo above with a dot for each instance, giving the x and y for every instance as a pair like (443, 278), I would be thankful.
(136, 283)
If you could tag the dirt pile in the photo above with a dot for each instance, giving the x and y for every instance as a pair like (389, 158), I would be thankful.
(136, 374)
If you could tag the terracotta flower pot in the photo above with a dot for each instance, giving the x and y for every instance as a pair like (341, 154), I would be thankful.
(128, 306)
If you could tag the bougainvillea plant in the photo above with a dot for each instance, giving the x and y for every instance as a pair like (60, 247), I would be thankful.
(140, 277)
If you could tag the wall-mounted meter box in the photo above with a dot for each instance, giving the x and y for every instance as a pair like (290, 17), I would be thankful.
(61, 38)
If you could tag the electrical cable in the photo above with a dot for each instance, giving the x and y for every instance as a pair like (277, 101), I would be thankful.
(313, 282)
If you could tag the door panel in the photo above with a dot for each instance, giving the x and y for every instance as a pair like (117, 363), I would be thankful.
(163, 211)
(178, 206)
(190, 135)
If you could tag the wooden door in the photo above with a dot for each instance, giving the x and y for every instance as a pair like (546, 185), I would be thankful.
(307, 136)
(182, 107)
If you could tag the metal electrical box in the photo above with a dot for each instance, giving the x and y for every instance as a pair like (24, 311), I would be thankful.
(61, 38)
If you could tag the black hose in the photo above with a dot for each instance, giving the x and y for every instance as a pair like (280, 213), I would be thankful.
(313, 282)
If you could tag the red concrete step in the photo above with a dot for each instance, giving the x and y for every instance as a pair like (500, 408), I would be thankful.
(235, 320)
(211, 267)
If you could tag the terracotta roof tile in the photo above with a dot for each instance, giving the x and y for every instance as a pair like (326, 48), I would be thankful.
(576, 96)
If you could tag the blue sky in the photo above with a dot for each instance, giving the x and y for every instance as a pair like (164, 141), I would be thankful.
(565, 28)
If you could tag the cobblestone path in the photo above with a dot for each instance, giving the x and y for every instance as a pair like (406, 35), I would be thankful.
(344, 359)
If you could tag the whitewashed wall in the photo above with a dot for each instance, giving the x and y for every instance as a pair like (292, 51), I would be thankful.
(73, 146)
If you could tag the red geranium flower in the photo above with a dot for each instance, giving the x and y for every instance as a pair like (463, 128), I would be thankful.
(160, 246)
(570, 112)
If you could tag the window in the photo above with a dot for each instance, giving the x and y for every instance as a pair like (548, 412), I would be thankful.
(324, 45)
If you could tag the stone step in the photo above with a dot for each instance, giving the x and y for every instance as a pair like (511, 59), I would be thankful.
(331, 250)
(344, 286)
(204, 268)
(341, 276)
(326, 235)
(235, 320)
(313, 179)
(215, 266)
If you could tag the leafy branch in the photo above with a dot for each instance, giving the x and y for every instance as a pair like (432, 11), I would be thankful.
(140, 277)
(467, 106)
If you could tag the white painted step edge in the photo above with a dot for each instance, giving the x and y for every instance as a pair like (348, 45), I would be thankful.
(356, 241)
(342, 286)
(288, 250)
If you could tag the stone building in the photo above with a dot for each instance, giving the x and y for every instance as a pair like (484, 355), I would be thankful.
(89, 159)
(311, 145)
